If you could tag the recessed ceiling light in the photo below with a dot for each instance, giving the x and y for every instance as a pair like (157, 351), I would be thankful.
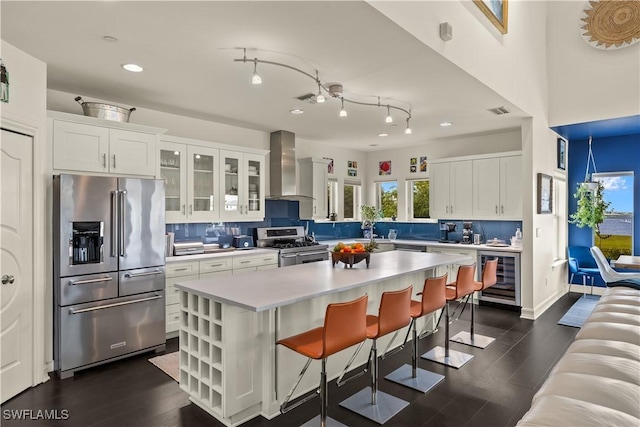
(134, 68)
(446, 124)
(110, 39)
(383, 134)
(296, 111)
(373, 145)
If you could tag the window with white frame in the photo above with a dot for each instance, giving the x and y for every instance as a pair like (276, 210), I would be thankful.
(332, 196)
(352, 199)
(616, 232)
(418, 199)
(387, 198)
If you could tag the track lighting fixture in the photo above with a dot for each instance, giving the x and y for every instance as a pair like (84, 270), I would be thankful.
(343, 112)
(256, 79)
(334, 89)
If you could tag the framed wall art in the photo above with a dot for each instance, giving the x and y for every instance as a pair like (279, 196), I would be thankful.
(562, 154)
(423, 164)
(496, 11)
(384, 167)
(545, 194)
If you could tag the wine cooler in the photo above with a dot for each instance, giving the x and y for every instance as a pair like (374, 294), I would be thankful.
(507, 289)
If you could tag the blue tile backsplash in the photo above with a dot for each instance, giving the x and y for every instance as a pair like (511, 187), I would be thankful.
(282, 213)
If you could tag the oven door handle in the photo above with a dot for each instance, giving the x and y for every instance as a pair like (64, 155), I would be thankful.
(289, 256)
(312, 253)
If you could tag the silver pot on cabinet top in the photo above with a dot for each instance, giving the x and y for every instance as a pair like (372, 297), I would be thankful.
(105, 111)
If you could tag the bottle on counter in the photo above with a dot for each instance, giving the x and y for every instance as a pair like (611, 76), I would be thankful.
(518, 234)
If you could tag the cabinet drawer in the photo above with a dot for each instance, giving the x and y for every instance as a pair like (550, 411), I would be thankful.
(254, 261)
(216, 274)
(172, 293)
(216, 264)
(182, 269)
(172, 319)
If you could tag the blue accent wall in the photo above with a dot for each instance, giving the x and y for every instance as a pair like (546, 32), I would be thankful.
(612, 154)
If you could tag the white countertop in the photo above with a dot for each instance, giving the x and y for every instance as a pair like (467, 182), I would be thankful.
(426, 243)
(257, 291)
(237, 252)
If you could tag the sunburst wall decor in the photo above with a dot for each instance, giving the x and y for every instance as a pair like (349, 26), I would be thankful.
(611, 24)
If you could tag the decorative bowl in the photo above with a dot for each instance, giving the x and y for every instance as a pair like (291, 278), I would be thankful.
(349, 258)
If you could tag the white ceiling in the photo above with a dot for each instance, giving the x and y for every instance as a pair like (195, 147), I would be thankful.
(187, 50)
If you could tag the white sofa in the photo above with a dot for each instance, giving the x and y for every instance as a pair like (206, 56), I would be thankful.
(597, 381)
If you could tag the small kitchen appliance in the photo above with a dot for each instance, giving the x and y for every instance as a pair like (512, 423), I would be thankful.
(467, 232)
(445, 229)
(242, 242)
(294, 246)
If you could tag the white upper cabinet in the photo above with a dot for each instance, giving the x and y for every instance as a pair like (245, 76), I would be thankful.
(450, 190)
(92, 145)
(192, 182)
(496, 188)
(243, 186)
(313, 183)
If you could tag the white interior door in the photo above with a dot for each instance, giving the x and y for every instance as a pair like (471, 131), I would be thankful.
(16, 264)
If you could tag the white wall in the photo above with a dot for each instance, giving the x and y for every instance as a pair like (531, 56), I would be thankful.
(26, 113)
(177, 125)
(514, 65)
(586, 83)
(434, 149)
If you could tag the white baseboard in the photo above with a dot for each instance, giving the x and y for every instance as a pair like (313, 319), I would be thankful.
(543, 306)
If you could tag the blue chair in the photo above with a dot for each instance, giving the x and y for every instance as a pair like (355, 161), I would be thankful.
(582, 264)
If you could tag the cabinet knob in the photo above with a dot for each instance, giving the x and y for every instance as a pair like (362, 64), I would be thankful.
(8, 278)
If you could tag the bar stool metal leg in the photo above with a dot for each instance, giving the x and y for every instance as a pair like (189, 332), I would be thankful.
(446, 356)
(371, 403)
(470, 338)
(323, 420)
(412, 376)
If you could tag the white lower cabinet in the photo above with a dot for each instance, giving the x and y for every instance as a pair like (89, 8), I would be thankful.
(452, 269)
(208, 268)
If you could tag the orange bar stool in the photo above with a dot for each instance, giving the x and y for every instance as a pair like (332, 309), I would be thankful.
(393, 315)
(433, 299)
(462, 288)
(489, 278)
(345, 324)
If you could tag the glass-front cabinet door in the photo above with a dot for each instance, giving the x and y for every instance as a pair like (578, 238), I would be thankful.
(173, 164)
(243, 186)
(254, 186)
(233, 204)
(203, 184)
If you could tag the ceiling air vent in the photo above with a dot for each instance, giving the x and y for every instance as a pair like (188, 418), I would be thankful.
(499, 111)
(307, 97)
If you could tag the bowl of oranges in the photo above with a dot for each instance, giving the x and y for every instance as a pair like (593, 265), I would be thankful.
(350, 254)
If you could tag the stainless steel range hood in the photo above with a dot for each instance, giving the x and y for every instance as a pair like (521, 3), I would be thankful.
(283, 167)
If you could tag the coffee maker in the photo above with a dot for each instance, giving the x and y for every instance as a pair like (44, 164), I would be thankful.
(445, 229)
(467, 232)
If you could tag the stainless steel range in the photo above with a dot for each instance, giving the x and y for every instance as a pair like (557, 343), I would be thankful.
(294, 246)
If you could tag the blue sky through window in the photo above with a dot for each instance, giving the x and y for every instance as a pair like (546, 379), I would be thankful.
(618, 190)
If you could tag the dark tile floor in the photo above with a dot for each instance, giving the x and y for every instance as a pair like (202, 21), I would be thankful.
(493, 390)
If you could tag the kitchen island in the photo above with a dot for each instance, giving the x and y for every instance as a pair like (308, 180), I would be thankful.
(229, 362)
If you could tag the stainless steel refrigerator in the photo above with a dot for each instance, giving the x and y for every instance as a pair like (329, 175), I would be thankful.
(109, 274)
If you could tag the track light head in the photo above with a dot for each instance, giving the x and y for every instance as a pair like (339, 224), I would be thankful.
(408, 131)
(388, 119)
(256, 79)
(320, 97)
(343, 112)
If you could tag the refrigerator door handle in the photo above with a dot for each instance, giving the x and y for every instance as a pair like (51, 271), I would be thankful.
(101, 307)
(121, 219)
(147, 273)
(114, 223)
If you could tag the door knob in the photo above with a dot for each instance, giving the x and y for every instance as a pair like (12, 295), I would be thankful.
(7, 279)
